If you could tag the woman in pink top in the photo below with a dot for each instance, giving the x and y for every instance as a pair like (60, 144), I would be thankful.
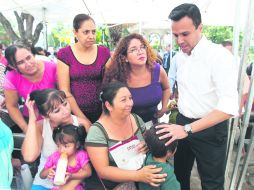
(27, 74)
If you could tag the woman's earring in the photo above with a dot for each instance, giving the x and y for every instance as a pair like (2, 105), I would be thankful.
(75, 39)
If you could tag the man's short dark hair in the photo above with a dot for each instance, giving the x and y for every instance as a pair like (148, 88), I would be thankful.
(156, 146)
(249, 69)
(186, 9)
(226, 43)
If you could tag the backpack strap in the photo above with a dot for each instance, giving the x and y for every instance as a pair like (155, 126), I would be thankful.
(137, 119)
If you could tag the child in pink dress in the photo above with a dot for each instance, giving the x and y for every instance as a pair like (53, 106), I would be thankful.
(69, 140)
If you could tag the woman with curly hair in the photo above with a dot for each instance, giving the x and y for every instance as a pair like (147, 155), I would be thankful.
(134, 63)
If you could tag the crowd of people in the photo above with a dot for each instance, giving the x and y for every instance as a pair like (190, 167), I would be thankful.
(102, 110)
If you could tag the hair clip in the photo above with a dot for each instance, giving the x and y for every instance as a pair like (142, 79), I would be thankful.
(100, 96)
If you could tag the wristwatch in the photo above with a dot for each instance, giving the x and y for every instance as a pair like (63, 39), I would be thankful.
(188, 129)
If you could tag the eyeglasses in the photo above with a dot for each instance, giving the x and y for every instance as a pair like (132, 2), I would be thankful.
(137, 50)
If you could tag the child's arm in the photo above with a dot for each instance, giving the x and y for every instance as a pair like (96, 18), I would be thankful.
(47, 173)
(49, 168)
(75, 179)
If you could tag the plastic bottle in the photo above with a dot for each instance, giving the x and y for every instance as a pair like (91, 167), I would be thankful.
(61, 170)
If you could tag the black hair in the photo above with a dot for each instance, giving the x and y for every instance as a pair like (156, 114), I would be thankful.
(78, 20)
(10, 53)
(249, 69)
(109, 92)
(37, 50)
(155, 145)
(186, 9)
(47, 100)
(226, 43)
(70, 134)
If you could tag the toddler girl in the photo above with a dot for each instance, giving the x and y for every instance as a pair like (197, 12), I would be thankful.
(70, 141)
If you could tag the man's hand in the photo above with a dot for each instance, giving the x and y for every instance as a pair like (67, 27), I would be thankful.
(171, 130)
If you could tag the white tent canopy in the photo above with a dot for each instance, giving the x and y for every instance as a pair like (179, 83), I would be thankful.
(214, 12)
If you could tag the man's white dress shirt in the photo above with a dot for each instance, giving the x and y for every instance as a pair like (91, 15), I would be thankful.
(207, 80)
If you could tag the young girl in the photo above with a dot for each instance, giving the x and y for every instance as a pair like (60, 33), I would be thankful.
(69, 140)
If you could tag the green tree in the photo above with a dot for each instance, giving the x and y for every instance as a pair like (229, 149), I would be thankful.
(25, 34)
(60, 36)
(218, 34)
(102, 36)
(4, 38)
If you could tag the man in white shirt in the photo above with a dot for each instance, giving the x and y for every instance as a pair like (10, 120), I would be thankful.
(208, 97)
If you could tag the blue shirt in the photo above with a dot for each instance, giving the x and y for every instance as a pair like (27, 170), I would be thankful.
(172, 73)
(6, 148)
(165, 60)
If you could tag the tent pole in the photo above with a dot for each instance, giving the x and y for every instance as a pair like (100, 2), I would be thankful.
(45, 28)
(246, 44)
(233, 123)
(140, 27)
(251, 145)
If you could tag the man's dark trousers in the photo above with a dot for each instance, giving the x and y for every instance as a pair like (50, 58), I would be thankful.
(208, 147)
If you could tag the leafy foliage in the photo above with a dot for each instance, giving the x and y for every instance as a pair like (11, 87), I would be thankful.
(4, 38)
(60, 36)
(218, 34)
(102, 36)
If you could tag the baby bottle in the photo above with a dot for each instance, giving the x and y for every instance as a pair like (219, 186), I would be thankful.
(61, 170)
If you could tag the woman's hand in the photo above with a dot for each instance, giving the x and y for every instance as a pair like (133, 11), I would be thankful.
(171, 130)
(30, 106)
(142, 147)
(150, 174)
